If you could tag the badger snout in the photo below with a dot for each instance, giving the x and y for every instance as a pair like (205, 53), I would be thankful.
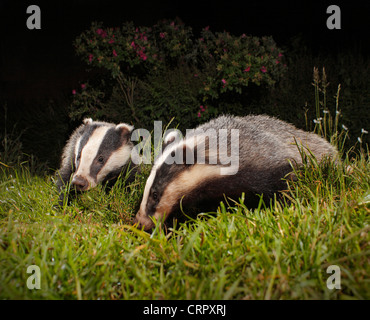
(80, 183)
(142, 220)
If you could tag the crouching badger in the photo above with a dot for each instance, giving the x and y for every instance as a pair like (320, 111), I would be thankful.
(225, 157)
(96, 152)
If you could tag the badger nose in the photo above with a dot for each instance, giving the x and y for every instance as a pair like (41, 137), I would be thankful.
(80, 183)
(141, 221)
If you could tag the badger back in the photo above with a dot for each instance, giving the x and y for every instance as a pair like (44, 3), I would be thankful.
(267, 141)
(96, 152)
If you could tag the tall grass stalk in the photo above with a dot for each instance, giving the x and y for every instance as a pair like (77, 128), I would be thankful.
(326, 124)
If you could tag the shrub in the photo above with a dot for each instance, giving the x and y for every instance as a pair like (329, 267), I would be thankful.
(163, 71)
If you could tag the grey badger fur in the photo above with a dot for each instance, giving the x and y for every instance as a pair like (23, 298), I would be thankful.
(267, 147)
(96, 152)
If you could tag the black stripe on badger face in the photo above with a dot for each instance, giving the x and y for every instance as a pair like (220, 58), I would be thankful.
(112, 141)
(164, 175)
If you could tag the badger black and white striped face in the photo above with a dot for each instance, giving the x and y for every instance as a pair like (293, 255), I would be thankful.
(100, 153)
(174, 180)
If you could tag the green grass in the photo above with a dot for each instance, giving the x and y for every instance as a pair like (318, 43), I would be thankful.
(88, 250)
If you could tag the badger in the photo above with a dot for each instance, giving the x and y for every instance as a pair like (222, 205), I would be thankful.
(96, 152)
(227, 156)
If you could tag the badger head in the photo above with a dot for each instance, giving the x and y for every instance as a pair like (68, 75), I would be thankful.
(100, 152)
(160, 197)
(183, 175)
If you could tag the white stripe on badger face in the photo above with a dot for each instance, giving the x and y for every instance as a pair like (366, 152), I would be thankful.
(186, 182)
(174, 191)
(88, 154)
(148, 186)
(115, 161)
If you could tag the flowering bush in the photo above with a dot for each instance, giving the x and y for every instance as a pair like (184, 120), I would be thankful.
(124, 49)
(232, 62)
(136, 57)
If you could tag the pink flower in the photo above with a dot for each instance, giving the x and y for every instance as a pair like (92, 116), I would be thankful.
(162, 35)
(280, 55)
(90, 57)
(101, 32)
(133, 44)
(223, 81)
(114, 53)
(263, 69)
(277, 61)
(199, 115)
(83, 86)
(247, 69)
(142, 55)
(111, 41)
(73, 91)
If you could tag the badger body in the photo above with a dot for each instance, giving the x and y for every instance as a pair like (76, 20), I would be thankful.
(265, 150)
(96, 152)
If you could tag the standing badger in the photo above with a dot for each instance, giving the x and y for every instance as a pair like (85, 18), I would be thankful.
(95, 153)
(226, 156)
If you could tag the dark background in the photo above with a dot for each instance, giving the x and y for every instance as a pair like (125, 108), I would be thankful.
(40, 65)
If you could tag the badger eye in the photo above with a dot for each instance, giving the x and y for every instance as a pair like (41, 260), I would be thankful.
(101, 159)
(155, 196)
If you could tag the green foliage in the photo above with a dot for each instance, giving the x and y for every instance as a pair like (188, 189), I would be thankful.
(232, 62)
(145, 65)
(175, 96)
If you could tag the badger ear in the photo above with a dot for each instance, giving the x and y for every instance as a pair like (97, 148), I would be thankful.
(87, 121)
(171, 136)
(125, 130)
